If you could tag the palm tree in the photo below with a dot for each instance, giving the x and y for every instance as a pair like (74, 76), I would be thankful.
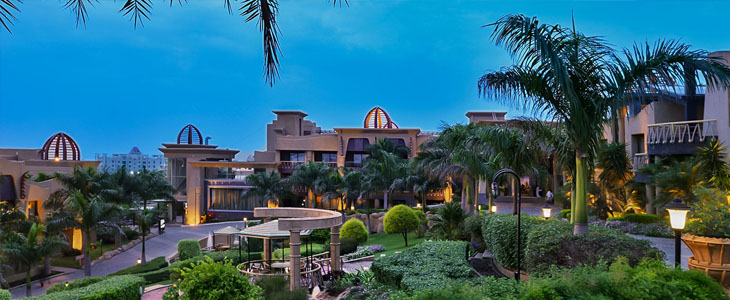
(306, 176)
(351, 188)
(578, 80)
(416, 182)
(330, 188)
(31, 248)
(447, 222)
(615, 174)
(711, 159)
(381, 170)
(150, 185)
(267, 186)
(263, 11)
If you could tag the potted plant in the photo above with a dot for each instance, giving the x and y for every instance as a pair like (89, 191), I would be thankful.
(708, 234)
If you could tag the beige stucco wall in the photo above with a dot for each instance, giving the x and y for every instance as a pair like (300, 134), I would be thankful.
(716, 105)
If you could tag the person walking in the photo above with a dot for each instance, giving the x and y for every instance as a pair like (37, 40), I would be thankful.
(550, 196)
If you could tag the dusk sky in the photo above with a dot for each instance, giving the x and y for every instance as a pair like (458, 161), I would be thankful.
(112, 87)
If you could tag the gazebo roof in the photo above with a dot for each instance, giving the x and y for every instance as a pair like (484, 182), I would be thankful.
(227, 230)
(269, 230)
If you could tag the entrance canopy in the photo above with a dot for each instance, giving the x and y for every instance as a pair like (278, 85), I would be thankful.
(269, 230)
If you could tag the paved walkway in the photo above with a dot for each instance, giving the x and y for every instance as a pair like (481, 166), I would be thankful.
(162, 245)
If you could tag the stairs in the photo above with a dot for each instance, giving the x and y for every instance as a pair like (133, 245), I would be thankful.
(483, 264)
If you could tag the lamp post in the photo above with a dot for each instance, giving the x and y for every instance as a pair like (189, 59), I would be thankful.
(677, 219)
(547, 210)
(519, 208)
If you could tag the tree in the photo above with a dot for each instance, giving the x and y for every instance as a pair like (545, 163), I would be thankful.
(306, 176)
(416, 182)
(31, 248)
(615, 174)
(150, 185)
(579, 80)
(263, 11)
(711, 159)
(400, 219)
(329, 187)
(448, 222)
(381, 171)
(267, 186)
(351, 188)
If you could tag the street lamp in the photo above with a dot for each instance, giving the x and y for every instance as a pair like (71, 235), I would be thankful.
(677, 219)
(547, 210)
(519, 208)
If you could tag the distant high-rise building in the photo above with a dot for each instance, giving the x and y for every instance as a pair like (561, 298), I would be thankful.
(135, 161)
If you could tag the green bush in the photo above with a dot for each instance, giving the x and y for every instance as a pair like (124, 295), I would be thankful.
(155, 276)
(152, 265)
(429, 264)
(130, 233)
(651, 280)
(5, 295)
(637, 218)
(553, 243)
(177, 267)
(473, 227)
(400, 219)
(124, 287)
(78, 283)
(303, 251)
(354, 229)
(500, 236)
(210, 280)
(484, 288)
(277, 288)
(711, 214)
(565, 214)
(320, 235)
(348, 246)
(188, 248)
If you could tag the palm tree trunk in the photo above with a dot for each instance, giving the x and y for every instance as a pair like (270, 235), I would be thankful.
(581, 205)
(87, 252)
(572, 203)
(309, 198)
(27, 281)
(385, 199)
(476, 196)
(47, 265)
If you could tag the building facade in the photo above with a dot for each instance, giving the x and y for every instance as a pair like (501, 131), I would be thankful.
(134, 161)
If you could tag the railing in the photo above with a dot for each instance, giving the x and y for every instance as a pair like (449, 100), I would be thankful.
(640, 161)
(681, 132)
(429, 132)
(352, 164)
(290, 165)
(331, 164)
(326, 131)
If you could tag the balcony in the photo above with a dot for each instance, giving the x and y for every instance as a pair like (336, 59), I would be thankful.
(679, 137)
(640, 161)
(289, 166)
(353, 164)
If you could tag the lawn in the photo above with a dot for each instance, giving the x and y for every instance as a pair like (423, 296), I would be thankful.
(393, 242)
(71, 262)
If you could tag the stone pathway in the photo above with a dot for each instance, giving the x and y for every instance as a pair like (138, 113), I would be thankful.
(162, 245)
(353, 267)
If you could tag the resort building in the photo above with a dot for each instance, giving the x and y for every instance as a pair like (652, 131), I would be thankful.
(672, 121)
(20, 184)
(134, 162)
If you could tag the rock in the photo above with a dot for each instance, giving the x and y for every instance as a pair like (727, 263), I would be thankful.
(380, 228)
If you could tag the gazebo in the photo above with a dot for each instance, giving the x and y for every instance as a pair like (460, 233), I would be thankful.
(292, 223)
(229, 232)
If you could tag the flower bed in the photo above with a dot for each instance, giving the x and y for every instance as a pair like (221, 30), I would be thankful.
(659, 229)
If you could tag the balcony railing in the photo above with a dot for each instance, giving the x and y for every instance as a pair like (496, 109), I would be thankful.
(640, 161)
(352, 164)
(681, 132)
(290, 165)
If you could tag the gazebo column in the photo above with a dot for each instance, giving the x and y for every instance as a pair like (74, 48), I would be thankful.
(294, 260)
(335, 248)
(267, 250)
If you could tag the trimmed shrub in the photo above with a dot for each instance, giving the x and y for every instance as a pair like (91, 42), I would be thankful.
(188, 248)
(152, 265)
(400, 219)
(484, 288)
(320, 235)
(78, 283)
(429, 264)
(277, 288)
(637, 218)
(177, 267)
(210, 280)
(348, 246)
(155, 276)
(500, 236)
(422, 223)
(124, 287)
(711, 214)
(553, 243)
(473, 227)
(565, 214)
(5, 295)
(130, 233)
(354, 229)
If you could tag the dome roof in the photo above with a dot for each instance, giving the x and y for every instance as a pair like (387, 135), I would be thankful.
(378, 118)
(135, 150)
(190, 135)
(60, 146)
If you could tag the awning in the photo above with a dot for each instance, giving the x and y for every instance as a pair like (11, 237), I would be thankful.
(269, 230)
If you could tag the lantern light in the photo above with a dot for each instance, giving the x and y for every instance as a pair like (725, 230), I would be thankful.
(547, 210)
(494, 209)
(677, 213)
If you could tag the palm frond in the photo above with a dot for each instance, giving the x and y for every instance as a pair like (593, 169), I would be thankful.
(78, 8)
(6, 13)
(264, 12)
(138, 10)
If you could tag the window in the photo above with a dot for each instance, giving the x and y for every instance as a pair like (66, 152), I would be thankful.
(229, 198)
(637, 144)
(296, 156)
(325, 156)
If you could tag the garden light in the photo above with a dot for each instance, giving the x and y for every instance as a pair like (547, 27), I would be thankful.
(494, 209)
(677, 219)
(547, 210)
(139, 261)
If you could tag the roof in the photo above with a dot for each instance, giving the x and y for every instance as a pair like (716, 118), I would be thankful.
(270, 230)
(190, 135)
(227, 230)
(60, 146)
(378, 118)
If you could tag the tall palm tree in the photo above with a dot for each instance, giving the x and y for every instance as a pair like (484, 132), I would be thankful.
(418, 183)
(150, 185)
(615, 168)
(381, 170)
(266, 186)
(306, 176)
(578, 80)
(264, 12)
(330, 188)
(31, 248)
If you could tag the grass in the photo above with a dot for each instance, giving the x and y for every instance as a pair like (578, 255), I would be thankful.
(71, 262)
(392, 242)
(316, 249)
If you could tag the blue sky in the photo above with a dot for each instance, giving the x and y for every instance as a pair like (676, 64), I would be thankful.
(112, 87)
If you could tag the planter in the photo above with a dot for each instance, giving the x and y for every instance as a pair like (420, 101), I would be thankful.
(509, 273)
(711, 256)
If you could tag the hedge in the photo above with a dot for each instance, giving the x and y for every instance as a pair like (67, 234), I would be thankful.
(188, 248)
(637, 218)
(428, 264)
(5, 295)
(152, 265)
(79, 283)
(177, 267)
(124, 287)
(155, 276)
(354, 229)
(348, 246)
(551, 242)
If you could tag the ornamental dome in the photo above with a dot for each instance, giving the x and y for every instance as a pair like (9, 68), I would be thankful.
(378, 118)
(190, 135)
(60, 146)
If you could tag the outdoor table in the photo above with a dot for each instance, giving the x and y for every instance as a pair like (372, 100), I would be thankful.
(279, 266)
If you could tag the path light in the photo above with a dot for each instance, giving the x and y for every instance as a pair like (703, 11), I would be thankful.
(547, 210)
(677, 219)
(139, 261)
(494, 209)
(495, 192)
